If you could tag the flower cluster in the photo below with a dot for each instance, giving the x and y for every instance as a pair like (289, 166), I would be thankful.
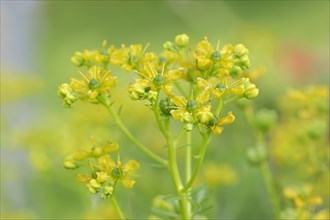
(104, 172)
(189, 84)
(96, 82)
(303, 204)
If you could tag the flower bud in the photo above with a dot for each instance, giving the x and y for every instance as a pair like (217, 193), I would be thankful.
(95, 184)
(235, 71)
(101, 177)
(251, 91)
(168, 46)
(265, 119)
(70, 164)
(204, 117)
(186, 117)
(256, 155)
(240, 50)
(244, 62)
(203, 63)
(77, 59)
(107, 191)
(137, 91)
(189, 127)
(182, 40)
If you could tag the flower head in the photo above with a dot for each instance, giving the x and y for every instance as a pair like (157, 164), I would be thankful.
(119, 172)
(152, 81)
(95, 82)
(193, 110)
(131, 57)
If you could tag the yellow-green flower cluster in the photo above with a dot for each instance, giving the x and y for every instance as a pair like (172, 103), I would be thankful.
(190, 83)
(303, 204)
(104, 172)
(95, 82)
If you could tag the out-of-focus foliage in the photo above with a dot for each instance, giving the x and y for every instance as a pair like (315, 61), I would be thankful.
(289, 39)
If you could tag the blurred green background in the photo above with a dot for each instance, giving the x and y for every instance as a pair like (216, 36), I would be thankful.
(288, 39)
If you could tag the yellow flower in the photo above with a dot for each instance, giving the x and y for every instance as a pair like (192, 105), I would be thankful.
(130, 57)
(217, 88)
(96, 82)
(204, 54)
(93, 186)
(191, 111)
(217, 128)
(66, 92)
(152, 81)
(89, 58)
(119, 172)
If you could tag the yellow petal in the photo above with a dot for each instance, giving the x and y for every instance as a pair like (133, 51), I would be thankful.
(202, 83)
(177, 114)
(230, 118)
(174, 75)
(180, 101)
(130, 166)
(127, 183)
(203, 97)
(290, 193)
(217, 130)
(110, 147)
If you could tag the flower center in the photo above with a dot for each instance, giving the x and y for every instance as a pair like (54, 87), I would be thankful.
(116, 173)
(191, 106)
(158, 80)
(221, 86)
(93, 84)
(215, 56)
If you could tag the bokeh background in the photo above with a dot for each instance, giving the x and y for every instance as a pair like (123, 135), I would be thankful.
(289, 40)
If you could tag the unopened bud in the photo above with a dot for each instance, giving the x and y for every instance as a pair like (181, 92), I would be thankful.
(70, 164)
(251, 91)
(203, 63)
(204, 117)
(182, 40)
(265, 119)
(256, 155)
(240, 50)
(77, 59)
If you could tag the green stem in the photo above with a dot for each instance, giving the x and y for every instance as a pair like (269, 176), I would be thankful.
(188, 167)
(200, 158)
(264, 165)
(269, 181)
(174, 171)
(116, 206)
(188, 155)
(131, 137)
